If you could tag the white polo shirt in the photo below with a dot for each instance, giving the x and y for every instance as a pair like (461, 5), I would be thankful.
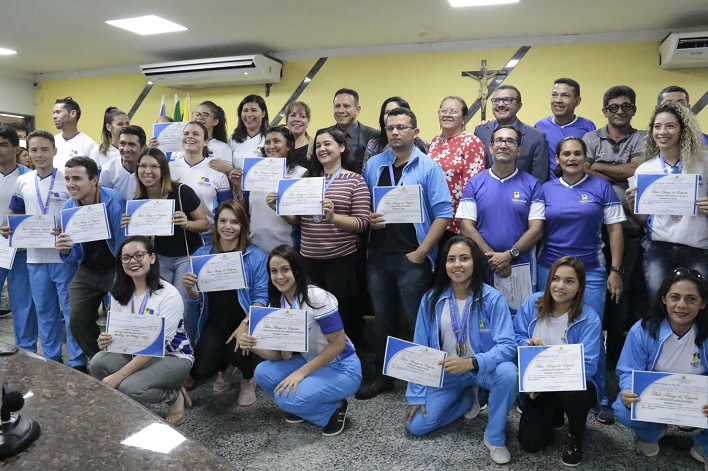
(77, 146)
(102, 159)
(680, 355)
(206, 182)
(251, 147)
(115, 176)
(217, 149)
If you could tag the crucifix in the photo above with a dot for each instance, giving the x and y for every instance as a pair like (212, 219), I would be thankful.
(484, 76)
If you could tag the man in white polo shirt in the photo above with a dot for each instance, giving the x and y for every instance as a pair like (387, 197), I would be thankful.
(119, 174)
(70, 142)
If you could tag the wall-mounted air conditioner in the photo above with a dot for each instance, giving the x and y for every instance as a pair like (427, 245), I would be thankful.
(684, 50)
(216, 72)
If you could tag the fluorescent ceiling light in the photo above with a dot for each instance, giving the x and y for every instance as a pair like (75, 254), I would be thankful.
(6, 52)
(11, 116)
(149, 24)
(478, 3)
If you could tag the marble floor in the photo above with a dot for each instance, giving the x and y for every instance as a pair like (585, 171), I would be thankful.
(375, 438)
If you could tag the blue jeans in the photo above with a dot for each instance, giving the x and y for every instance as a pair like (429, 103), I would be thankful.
(319, 393)
(24, 315)
(595, 295)
(447, 404)
(388, 276)
(172, 269)
(660, 258)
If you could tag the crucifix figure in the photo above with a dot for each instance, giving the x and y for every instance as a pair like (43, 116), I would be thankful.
(484, 77)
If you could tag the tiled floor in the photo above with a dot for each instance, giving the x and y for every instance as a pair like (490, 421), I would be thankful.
(257, 438)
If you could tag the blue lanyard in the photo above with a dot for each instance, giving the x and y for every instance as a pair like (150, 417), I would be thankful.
(332, 179)
(143, 305)
(393, 179)
(44, 207)
(460, 327)
(284, 304)
(669, 169)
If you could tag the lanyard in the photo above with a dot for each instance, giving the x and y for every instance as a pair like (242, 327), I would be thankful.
(460, 327)
(284, 304)
(143, 305)
(393, 180)
(669, 169)
(44, 207)
(332, 179)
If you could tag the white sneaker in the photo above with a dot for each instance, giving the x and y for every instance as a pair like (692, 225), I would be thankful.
(499, 454)
(652, 449)
(247, 394)
(474, 410)
(698, 453)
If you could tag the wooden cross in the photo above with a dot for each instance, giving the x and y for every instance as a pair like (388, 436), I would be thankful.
(484, 76)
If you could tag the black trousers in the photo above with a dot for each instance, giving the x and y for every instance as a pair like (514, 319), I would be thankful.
(86, 292)
(543, 414)
(339, 277)
(212, 354)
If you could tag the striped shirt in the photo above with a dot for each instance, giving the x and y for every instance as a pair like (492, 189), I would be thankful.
(351, 197)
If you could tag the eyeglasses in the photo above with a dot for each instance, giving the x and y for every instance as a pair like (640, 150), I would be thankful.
(138, 256)
(626, 107)
(687, 271)
(511, 143)
(150, 166)
(199, 114)
(445, 111)
(397, 127)
(506, 99)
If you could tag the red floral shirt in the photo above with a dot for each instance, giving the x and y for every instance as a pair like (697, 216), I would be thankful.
(460, 157)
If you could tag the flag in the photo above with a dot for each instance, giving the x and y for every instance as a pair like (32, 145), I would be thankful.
(162, 106)
(186, 111)
(178, 112)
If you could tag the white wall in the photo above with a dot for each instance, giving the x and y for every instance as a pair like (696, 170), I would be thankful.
(17, 92)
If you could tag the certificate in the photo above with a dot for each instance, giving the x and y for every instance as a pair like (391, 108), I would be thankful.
(552, 368)
(516, 288)
(300, 196)
(7, 254)
(32, 232)
(262, 173)
(399, 204)
(670, 398)
(670, 195)
(150, 217)
(136, 334)
(279, 329)
(414, 363)
(169, 135)
(219, 272)
(86, 223)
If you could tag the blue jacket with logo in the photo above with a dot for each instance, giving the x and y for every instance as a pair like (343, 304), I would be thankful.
(585, 329)
(420, 170)
(490, 333)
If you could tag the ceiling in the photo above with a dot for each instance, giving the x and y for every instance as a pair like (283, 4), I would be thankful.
(69, 35)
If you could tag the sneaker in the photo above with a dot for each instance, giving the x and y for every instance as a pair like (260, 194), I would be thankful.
(652, 449)
(377, 386)
(223, 381)
(293, 419)
(700, 455)
(247, 394)
(606, 415)
(335, 426)
(573, 451)
(474, 410)
(499, 454)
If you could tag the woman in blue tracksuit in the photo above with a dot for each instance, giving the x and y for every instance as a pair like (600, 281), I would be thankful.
(557, 316)
(223, 312)
(476, 332)
(672, 338)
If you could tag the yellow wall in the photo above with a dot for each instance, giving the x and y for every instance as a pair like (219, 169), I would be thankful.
(422, 78)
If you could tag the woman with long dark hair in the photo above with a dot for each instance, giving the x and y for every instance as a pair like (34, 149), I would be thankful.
(469, 320)
(559, 316)
(328, 242)
(672, 338)
(223, 311)
(312, 385)
(114, 120)
(138, 289)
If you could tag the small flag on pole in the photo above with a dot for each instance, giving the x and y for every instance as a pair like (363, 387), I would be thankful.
(178, 112)
(187, 111)
(162, 106)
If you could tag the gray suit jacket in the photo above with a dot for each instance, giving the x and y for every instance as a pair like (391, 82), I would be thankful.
(534, 148)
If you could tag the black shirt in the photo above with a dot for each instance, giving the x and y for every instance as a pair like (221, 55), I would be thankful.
(97, 256)
(299, 156)
(173, 246)
(225, 312)
(397, 238)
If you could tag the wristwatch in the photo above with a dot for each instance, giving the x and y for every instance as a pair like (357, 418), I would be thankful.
(475, 365)
(514, 252)
(618, 269)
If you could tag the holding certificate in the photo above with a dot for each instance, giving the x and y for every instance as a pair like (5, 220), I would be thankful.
(169, 135)
(470, 321)
(150, 217)
(671, 341)
(399, 204)
(279, 329)
(32, 231)
(139, 293)
(568, 334)
(86, 223)
(300, 196)
(262, 173)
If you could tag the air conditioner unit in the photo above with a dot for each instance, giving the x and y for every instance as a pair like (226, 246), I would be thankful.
(684, 50)
(216, 72)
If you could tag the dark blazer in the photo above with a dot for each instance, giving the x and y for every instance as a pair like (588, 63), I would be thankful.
(357, 150)
(534, 148)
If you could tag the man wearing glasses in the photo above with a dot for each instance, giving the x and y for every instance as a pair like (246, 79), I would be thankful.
(506, 103)
(119, 174)
(614, 153)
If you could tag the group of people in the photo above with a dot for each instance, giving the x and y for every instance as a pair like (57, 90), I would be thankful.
(549, 203)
